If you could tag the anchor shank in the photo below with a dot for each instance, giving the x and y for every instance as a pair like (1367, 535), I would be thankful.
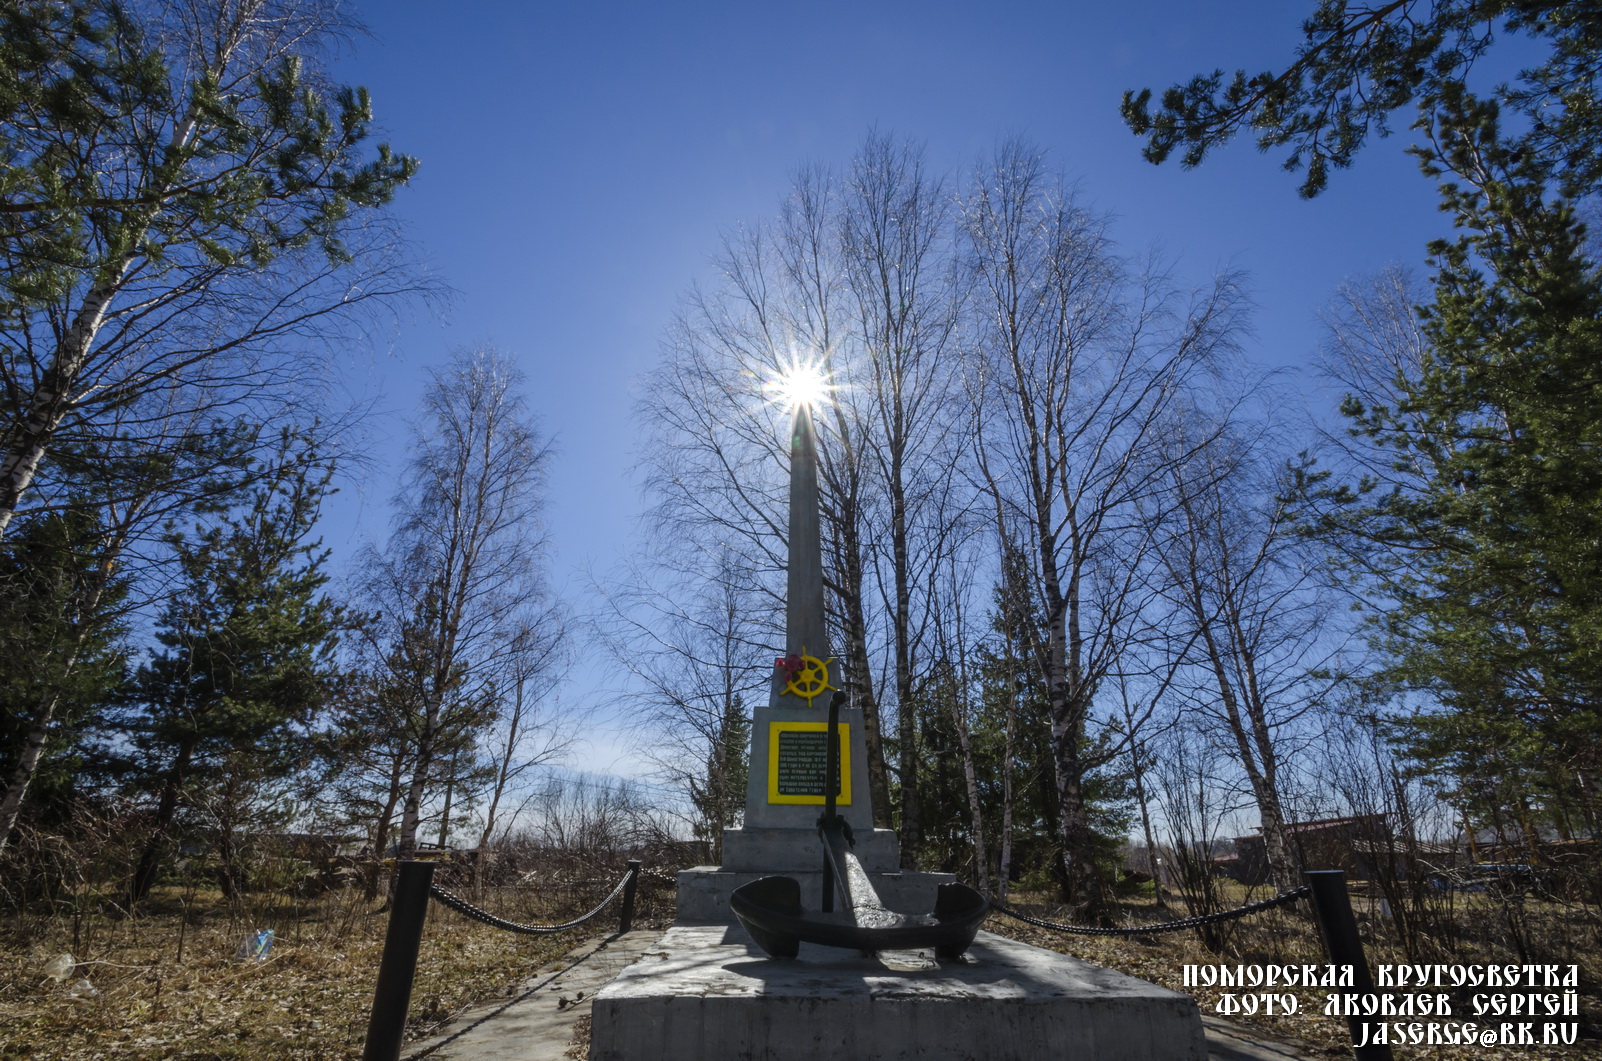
(859, 900)
(831, 785)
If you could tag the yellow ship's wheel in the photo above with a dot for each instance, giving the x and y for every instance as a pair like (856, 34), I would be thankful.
(808, 680)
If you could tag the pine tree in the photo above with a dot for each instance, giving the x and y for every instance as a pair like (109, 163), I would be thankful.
(1361, 63)
(246, 659)
(1013, 735)
(180, 191)
(93, 567)
(186, 203)
(1489, 536)
(58, 603)
(719, 795)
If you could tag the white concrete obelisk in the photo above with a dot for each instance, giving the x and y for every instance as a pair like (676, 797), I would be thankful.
(784, 791)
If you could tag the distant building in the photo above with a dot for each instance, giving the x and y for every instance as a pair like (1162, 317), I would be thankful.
(1353, 843)
(317, 847)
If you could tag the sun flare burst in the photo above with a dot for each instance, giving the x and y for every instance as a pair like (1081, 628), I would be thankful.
(802, 382)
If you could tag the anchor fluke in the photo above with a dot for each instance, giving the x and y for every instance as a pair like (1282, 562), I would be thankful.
(782, 897)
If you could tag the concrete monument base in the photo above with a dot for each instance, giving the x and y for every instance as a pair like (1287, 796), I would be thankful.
(790, 850)
(707, 992)
(704, 890)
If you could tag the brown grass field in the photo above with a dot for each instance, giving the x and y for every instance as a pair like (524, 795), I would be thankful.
(1287, 935)
(169, 983)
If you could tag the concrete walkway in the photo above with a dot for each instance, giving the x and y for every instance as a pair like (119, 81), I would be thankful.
(538, 1025)
(1231, 1042)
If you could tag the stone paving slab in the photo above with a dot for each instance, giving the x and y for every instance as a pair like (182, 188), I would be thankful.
(706, 992)
(534, 1026)
(1231, 1042)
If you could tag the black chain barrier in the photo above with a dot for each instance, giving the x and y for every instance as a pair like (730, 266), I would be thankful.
(462, 906)
(414, 886)
(1337, 929)
(1283, 899)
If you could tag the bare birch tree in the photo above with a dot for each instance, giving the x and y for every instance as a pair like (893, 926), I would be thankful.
(1078, 363)
(465, 561)
(527, 737)
(902, 280)
(697, 652)
(719, 451)
(1195, 805)
(1249, 618)
(856, 275)
(953, 647)
(1140, 763)
(1374, 350)
(813, 268)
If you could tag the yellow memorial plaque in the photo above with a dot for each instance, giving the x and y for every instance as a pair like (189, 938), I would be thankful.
(798, 761)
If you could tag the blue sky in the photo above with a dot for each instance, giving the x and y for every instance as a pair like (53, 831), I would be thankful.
(579, 162)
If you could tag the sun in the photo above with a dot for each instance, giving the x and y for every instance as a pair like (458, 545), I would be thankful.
(803, 382)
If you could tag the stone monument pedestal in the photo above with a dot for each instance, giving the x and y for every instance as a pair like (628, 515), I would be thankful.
(707, 992)
(791, 850)
(704, 892)
(752, 853)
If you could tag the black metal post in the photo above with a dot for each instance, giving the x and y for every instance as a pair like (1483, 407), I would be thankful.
(630, 885)
(1338, 927)
(393, 995)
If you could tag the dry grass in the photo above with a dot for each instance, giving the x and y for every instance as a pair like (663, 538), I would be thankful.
(169, 983)
(1288, 936)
